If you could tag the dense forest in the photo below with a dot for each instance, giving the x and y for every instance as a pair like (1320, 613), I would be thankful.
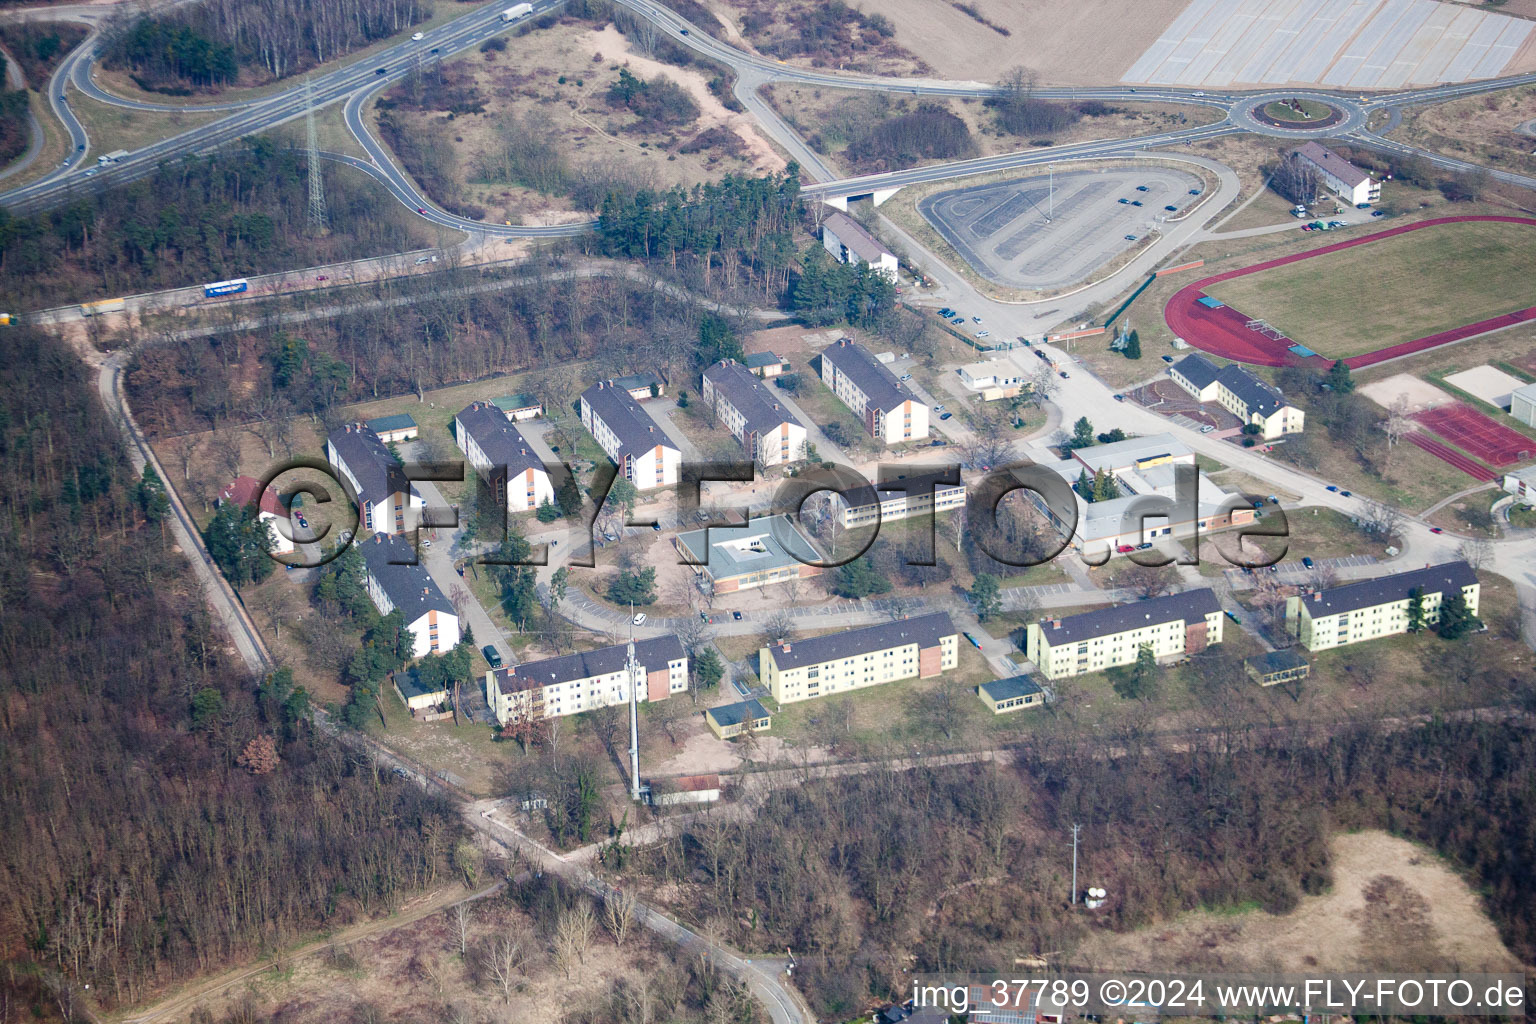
(855, 874)
(239, 211)
(160, 813)
(205, 44)
(15, 130)
(39, 47)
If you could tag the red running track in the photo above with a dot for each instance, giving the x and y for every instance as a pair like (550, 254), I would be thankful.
(1221, 331)
(1472, 468)
(1473, 432)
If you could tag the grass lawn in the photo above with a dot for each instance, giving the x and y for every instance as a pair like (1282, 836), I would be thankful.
(469, 751)
(1311, 110)
(1415, 284)
(111, 127)
(1522, 518)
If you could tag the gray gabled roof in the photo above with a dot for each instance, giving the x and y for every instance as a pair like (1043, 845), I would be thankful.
(501, 442)
(924, 631)
(1008, 689)
(1197, 369)
(871, 376)
(392, 561)
(855, 236)
(746, 392)
(1334, 164)
(1190, 606)
(1433, 579)
(653, 654)
(361, 451)
(616, 407)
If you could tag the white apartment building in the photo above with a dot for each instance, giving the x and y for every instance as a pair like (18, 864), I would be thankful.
(918, 648)
(395, 579)
(1175, 625)
(502, 457)
(912, 494)
(575, 683)
(887, 407)
(645, 455)
(1375, 608)
(767, 431)
(849, 242)
(387, 501)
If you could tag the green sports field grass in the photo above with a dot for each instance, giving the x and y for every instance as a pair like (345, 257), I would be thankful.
(1400, 288)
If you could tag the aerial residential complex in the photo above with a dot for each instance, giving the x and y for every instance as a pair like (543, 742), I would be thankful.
(646, 457)
(916, 648)
(396, 580)
(1175, 625)
(384, 495)
(575, 683)
(761, 552)
(1374, 608)
(1240, 393)
(767, 431)
(912, 494)
(502, 457)
(887, 407)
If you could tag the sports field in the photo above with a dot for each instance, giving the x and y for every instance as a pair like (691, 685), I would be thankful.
(1419, 283)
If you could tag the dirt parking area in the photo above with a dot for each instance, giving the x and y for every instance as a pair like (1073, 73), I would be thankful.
(1393, 905)
(1166, 398)
(545, 127)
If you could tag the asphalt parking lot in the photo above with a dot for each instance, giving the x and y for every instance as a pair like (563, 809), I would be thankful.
(1029, 234)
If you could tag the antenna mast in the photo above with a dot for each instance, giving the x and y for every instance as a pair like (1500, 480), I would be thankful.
(317, 214)
(632, 669)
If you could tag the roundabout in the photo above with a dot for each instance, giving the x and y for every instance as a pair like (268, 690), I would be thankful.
(1297, 114)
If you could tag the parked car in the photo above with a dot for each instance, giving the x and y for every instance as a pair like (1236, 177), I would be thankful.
(656, 527)
(1362, 206)
(1135, 202)
(983, 334)
(1378, 213)
(945, 415)
(1167, 359)
(976, 318)
(1125, 549)
(905, 377)
(736, 616)
(1127, 202)
(1435, 529)
(1207, 429)
(1334, 488)
(957, 321)
(939, 407)
(1194, 191)
(1119, 398)
(1130, 238)
(1345, 494)
(1065, 375)
(639, 619)
(492, 656)
(1307, 562)
(1171, 209)
(1141, 188)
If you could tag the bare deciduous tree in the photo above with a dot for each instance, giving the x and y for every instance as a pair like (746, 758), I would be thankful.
(1476, 552)
(503, 960)
(778, 627)
(619, 914)
(573, 935)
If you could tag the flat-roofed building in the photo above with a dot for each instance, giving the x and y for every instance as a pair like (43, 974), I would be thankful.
(502, 457)
(850, 242)
(1012, 694)
(641, 386)
(1368, 609)
(519, 407)
(1240, 393)
(1522, 404)
(396, 580)
(1274, 667)
(685, 789)
(767, 431)
(759, 553)
(730, 720)
(400, 427)
(766, 364)
(420, 698)
(1341, 177)
(992, 379)
(574, 683)
(916, 648)
(909, 494)
(386, 499)
(1522, 484)
(1104, 638)
(887, 407)
(645, 455)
